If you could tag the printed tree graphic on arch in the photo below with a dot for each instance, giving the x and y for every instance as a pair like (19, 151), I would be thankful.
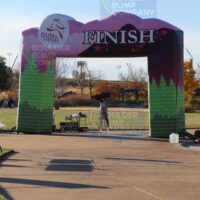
(165, 109)
(41, 86)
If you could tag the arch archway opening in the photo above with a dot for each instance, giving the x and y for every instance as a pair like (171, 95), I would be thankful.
(125, 79)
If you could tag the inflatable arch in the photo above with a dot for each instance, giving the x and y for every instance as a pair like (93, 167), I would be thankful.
(120, 35)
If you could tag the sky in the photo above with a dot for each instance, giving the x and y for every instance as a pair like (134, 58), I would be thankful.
(19, 15)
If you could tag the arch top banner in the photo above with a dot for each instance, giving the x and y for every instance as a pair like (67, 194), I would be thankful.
(64, 34)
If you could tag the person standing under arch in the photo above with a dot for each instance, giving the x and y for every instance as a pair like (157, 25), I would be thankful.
(103, 115)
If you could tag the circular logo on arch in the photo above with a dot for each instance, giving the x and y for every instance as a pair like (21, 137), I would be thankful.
(54, 31)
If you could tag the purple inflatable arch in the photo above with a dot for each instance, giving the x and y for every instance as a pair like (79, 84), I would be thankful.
(120, 35)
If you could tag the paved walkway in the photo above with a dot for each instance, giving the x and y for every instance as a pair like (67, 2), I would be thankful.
(89, 168)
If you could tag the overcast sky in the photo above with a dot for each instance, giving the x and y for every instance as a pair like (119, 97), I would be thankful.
(18, 15)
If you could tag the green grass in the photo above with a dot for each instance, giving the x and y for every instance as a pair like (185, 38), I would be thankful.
(118, 119)
(127, 119)
(2, 198)
(192, 120)
(4, 151)
(8, 117)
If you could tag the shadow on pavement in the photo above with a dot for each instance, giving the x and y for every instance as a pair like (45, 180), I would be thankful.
(70, 165)
(7, 165)
(144, 160)
(5, 157)
(18, 160)
(55, 184)
(188, 144)
(105, 136)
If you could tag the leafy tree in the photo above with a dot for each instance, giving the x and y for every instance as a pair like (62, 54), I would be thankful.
(108, 86)
(5, 75)
(139, 84)
(190, 83)
(102, 86)
(115, 90)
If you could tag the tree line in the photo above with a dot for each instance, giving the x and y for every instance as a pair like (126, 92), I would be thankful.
(84, 78)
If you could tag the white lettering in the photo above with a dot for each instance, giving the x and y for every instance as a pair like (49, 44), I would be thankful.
(146, 34)
(132, 35)
(123, 37)
(119, 37)
(109, 35)
(98, 37)
(88, 35)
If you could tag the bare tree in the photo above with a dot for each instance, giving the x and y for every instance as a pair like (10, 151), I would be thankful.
(85, 77)
(92, 78)
(15, 79)
(134, 74)
(80, 75)
(61, 70)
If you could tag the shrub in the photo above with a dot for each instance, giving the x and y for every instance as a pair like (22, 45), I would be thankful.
(189, 108)
(74, 100)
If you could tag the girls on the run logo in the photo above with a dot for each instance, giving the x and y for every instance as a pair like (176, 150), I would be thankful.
(54, 31)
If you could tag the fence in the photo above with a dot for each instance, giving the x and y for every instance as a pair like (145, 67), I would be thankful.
(119, 120)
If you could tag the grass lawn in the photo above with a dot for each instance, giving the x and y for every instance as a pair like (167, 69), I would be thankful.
(4, 150)
(8, 117)
(128, 118)
(192, 120)
(2, 198)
